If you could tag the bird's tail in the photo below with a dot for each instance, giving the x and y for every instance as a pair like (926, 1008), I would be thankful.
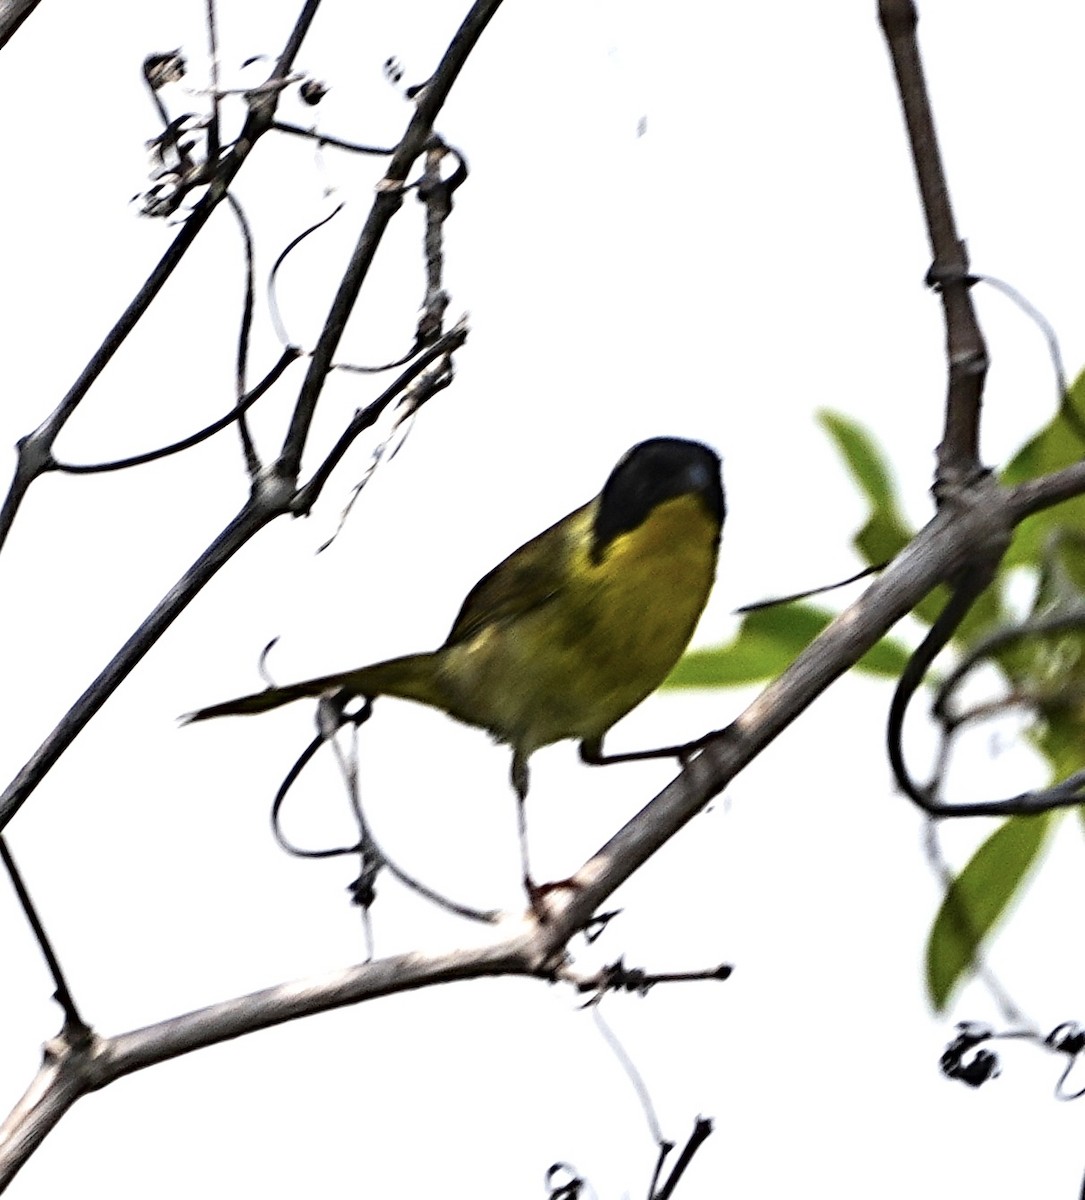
(412, 677)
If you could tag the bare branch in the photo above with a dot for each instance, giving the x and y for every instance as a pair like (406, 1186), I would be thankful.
(702, 1128)
(35, 450)
(365, 417)
(272, 491)
(324, 139)
(12, 14)
(980, 518)
(252, 461)
(273, 274)
(213, 128)
(76, 1029)
(246, 402)
(73, 1070)
(967, 590)
(330, 719)
(436, 193)
(958, 453)
(617, 977)
(388, 200)
(266, 503)
(1038, 494)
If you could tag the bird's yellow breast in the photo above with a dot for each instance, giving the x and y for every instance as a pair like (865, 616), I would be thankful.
(613, 628)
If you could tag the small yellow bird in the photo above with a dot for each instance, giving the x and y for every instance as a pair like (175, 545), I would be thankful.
(576, 627)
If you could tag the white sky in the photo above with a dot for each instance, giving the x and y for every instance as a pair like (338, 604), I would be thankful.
(756, 255)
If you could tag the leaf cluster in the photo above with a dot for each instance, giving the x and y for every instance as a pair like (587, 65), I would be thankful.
(1040, 660)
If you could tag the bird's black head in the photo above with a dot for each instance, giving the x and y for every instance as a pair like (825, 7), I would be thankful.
(650, 473)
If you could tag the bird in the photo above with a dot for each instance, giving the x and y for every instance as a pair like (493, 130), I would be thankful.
(571, 631)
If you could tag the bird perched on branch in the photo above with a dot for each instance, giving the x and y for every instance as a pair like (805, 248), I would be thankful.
(572, 630)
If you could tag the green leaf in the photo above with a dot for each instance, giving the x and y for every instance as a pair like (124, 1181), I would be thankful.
(767, 642)
(885, 532)
(977, 898)
(1056, 446)
(882, 538)
(865, 460)
(1058, 737)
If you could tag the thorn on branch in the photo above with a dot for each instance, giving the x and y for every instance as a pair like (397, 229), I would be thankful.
(597, 926)
(312, 91)
(617, 977)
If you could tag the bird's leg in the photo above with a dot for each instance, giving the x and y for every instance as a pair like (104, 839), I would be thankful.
(520, 784)
(591, 752)
(535, 891)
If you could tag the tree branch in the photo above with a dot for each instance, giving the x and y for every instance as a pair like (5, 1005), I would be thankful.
(388, 200)
(35, 450)
(12, 14)
(266, 504)
(966, 352)
(980, 516)
(72, 1071)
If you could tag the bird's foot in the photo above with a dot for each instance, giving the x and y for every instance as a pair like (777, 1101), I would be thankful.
(686, 752)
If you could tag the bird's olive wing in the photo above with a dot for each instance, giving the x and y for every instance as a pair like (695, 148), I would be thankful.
(529, 577)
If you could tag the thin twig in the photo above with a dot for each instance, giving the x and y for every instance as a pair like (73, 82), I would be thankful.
(269, 503)
(367, 846)
(119, 464)
(632, 1074)
(1065, 397)
(702, 1128)
(368, 416)
(1066, 793)
(76, 1030)
(252, 460)
(388, 200)
(273, 274)
(213, 138)
(35, 450)
(617, 977)
(434, 379)
(436, 194)
(1053, 623)
(325, 139)
(758, 605)
(938, 552)
(272, 496)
